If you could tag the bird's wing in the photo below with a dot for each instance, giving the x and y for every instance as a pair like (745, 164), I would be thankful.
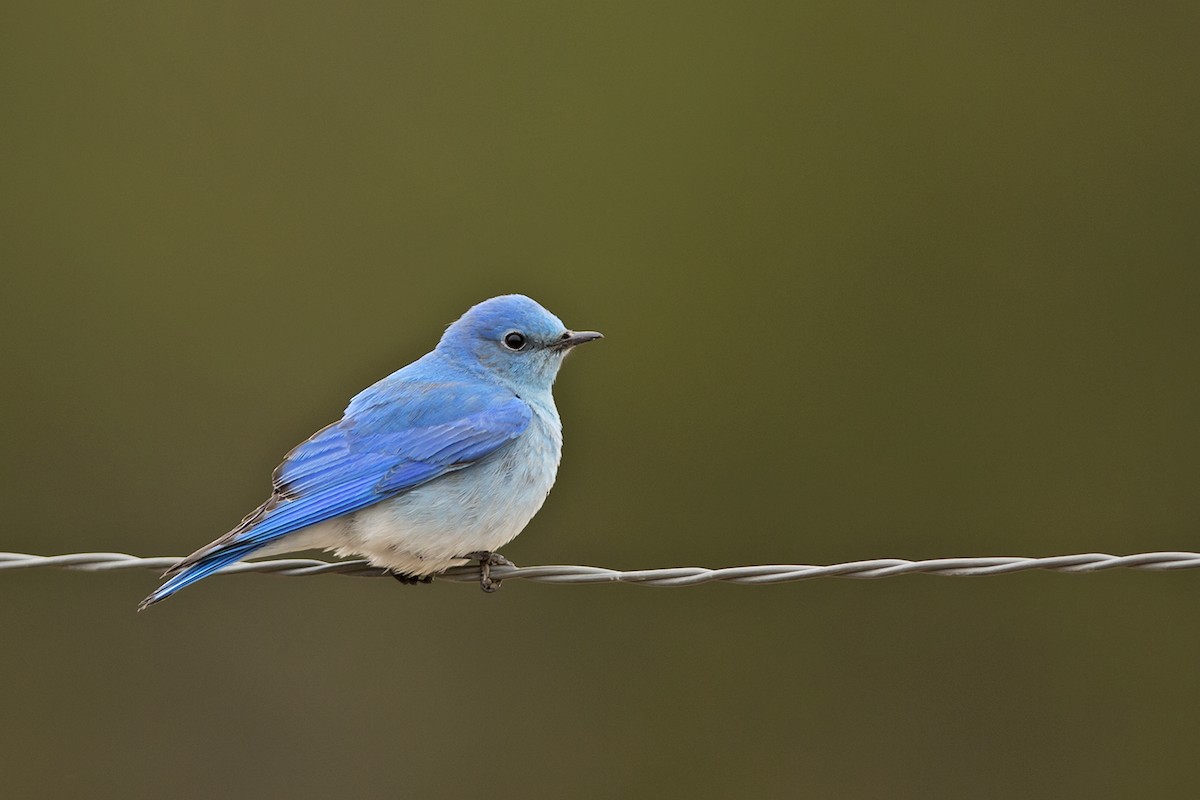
(393, 438)
(385, 449)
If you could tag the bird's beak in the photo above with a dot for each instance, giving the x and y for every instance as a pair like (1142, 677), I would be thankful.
(572, 338)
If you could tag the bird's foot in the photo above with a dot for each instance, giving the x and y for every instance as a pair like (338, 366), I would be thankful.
(411, 580)
(487, 560)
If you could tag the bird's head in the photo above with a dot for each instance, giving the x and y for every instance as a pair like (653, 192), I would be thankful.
(514, 339)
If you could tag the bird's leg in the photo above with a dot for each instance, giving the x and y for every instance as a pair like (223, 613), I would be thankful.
(411, 580)
(487, 559)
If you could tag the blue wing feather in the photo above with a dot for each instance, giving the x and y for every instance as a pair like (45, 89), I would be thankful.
(394, 436)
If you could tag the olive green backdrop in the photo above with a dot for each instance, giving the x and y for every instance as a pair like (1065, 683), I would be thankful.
(886, 279)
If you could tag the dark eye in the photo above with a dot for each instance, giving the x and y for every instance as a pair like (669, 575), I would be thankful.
(514, 340)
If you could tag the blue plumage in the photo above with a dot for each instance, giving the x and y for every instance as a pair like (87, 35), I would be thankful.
(477, 402)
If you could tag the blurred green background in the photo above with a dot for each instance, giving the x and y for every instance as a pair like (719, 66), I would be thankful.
(877, 279)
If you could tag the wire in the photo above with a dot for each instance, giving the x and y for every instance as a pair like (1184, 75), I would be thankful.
(670, 576)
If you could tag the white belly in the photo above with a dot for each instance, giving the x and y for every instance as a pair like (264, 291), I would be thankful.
(428, 529)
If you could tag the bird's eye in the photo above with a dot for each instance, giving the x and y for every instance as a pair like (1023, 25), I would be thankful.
(514, 340)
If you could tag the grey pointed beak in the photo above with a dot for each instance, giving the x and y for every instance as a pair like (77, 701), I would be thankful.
(572, 338)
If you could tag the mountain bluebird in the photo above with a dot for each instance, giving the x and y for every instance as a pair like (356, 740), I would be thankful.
(438, 464)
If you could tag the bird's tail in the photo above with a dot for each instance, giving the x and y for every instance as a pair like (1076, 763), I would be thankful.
(197, 567)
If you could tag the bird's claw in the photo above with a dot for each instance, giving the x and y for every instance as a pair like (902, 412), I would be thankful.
(487, 560)
(411, 580)
(492, 559)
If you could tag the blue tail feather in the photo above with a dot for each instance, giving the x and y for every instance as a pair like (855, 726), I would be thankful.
(206, 566)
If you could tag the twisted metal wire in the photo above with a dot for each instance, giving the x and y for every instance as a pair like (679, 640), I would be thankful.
(670, 576)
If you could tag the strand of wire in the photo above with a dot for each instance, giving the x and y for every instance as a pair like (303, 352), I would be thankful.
(671, 576)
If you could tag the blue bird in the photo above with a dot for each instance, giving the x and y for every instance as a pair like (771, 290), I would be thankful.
(438, 464)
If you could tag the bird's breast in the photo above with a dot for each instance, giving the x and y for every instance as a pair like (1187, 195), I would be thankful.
(479, 507)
